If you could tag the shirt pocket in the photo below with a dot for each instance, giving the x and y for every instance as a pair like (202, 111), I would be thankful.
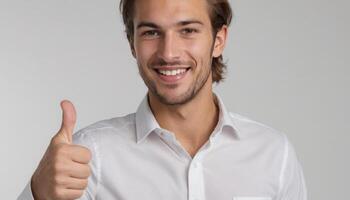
(252, 198)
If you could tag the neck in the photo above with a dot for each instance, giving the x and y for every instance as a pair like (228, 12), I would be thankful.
(192, 122)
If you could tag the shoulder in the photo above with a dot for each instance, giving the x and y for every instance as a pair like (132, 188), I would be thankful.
(258, 132)
(107, 128)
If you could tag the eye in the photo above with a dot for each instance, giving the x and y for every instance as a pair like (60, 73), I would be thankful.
(189, 31)
(150, 33)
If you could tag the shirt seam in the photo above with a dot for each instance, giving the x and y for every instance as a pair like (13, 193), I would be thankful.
(246, 119)
(87, 129)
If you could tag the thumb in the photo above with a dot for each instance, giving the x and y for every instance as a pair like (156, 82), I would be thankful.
(68, 120)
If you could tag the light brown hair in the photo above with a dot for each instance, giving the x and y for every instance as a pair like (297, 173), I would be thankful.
(220, 14)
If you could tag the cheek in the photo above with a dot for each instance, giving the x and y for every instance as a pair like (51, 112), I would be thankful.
(144, 51)
(200, 51)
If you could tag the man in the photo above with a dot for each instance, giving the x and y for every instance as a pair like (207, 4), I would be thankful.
(181, 143)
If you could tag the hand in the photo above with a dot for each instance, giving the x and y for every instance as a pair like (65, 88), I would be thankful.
(63, 171)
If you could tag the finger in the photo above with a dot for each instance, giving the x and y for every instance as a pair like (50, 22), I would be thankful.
(80, 154)
(79, 171)
(76, 183)
(68, 120)
(68, 194)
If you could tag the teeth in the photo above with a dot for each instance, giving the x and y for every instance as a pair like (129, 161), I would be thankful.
(172, 72)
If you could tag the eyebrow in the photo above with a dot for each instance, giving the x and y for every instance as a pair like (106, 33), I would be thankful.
(181, 23)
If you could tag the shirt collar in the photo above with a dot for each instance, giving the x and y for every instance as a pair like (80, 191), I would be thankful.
(225, 119)
(146, 122)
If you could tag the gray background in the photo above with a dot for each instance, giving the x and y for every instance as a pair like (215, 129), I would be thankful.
(288, 68)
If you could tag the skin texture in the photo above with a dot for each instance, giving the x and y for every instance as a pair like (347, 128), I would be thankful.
(161, 38)
(63, 171)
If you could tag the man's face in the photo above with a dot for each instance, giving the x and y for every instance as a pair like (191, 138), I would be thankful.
(173, 46)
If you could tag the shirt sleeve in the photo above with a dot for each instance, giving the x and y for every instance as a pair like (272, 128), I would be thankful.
(82, 139)
(26, 193)
(292, 181)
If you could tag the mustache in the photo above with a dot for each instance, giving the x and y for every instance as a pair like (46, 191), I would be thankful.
(162, 62)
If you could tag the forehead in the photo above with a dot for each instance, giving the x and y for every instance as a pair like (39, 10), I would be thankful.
(166, 12)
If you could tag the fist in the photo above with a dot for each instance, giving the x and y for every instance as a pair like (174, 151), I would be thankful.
(64, 170)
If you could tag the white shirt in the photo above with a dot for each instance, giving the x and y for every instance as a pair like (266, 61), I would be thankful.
(134, 158)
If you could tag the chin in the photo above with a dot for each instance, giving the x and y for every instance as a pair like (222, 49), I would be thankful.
(174, 98)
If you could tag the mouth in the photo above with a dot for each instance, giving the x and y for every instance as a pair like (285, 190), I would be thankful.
(169, 75)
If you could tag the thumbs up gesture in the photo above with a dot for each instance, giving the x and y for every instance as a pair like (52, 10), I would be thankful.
(63, 171)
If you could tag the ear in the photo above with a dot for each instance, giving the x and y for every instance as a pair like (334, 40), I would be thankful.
(220, 41)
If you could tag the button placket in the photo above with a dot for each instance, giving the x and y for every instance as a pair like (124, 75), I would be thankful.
(195, 181)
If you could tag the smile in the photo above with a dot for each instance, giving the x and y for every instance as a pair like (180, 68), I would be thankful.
(172, 75)
(172, 72)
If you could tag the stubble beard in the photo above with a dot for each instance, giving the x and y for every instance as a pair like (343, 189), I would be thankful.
(188, 95)
(183, 98)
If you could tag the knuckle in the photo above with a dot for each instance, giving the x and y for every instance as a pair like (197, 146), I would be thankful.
(85, 171)
(87, 153)
(57, 167)
(57, 180)
(60, 168)
(85, 183)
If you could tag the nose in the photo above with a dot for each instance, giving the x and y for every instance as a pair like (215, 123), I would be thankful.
(169, 47)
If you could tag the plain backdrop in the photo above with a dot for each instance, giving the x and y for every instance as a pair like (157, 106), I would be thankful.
(288, 68)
